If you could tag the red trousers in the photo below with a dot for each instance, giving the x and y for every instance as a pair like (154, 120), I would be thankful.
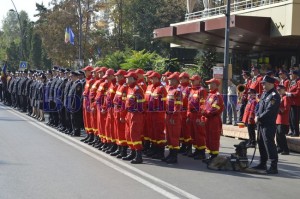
(147, 133)
(86, 116)
(94, 123)
(185, 136)
(101, 120)
(119, 128)
(157, 134)
(213, 127)
(109, 126)
(134, 128)
(173, 130)
(197, 131)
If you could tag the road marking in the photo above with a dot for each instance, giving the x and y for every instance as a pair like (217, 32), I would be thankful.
(68, 140)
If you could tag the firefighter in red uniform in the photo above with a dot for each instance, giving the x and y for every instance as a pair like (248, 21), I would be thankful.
(134, 118)
(294, 94)
(196, 103)
(243, 98)
(173, 118)
(147, 121)
(284, 80)
(156, 112)
(119, 114)
(164, 79)
(86, 102)
(249, 117)
(141, 81)
(109, 108)
(255, 82)
(214, 107)
(102, 113)
(282, 121)
(186, 139)
(97, 77)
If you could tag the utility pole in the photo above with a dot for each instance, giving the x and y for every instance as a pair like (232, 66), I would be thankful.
(226, 60)
(21, 30)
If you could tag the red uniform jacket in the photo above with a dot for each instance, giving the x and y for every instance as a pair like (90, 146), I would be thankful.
(110, 94)
(284, 111)
(285, 83)
(142, 84)
(247, 87)
(185, 90)
(214, 104)
(157, 100)
(196, 100)
(174, 100)
(256, 85)
(135, 99)
(120, 99)
(294, 89)
(101, 94)
(148, 94)
(86, 90)
(249, 114)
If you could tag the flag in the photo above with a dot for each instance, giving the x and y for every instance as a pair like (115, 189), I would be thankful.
(69, 36)
(3, 72)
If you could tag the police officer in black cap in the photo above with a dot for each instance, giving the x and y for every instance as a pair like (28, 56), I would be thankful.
(266, 122)
(68, 86)
(53, 115)
(75, 103)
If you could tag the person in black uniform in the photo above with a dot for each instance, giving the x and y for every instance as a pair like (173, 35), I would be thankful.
(53, 117)
(15, 90)
(68, 86)
(29, 81)
(75, 103)
(59, 100)
(40, 97)
(10, 89)
(32, 94)
(20, 91)
(265, 119)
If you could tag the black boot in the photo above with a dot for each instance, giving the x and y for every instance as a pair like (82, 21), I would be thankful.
(182, 148)
(117, 152)
(273, 168)
(173, 157)
(261, 166)
(160, 153)
(200, 155)
(151, 151)
(131, 156)
(112, 149)
(189, 150)
(146, 146)
(138, 158)
(94, 141)
(196, 152)
(211, 157)
(106, 147)
(123, 152)
(90, 139)
(168, 156)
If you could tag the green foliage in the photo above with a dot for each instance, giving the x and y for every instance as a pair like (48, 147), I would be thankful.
(139, 59)
(114, 60)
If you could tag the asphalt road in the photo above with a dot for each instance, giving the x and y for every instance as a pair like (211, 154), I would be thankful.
(38, 162)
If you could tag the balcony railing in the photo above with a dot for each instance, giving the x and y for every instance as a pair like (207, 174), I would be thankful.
(236, 6)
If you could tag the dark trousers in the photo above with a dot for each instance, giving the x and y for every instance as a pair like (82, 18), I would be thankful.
(281, 131)
(76, 122)
(266, 143)
(294, 119)
(68, 119)
(251, 133)
(242, 110)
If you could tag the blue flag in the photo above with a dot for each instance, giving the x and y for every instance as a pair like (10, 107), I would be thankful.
(3, 72)
(69, 36)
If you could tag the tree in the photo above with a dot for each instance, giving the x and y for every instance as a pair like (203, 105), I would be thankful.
(36, 50)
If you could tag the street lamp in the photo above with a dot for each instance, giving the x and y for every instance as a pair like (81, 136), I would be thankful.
(226, 59)
(80, 32)
(21, 29)
(135, 37)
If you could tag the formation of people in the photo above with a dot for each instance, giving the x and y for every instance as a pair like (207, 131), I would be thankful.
(127, 114)
(132, 114)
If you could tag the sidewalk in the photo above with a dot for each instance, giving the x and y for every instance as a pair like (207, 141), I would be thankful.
(242, 133)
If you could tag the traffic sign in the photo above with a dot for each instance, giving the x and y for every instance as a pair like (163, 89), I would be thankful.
(23, 65)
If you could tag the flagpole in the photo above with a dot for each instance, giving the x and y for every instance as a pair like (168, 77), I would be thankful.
(79, 32)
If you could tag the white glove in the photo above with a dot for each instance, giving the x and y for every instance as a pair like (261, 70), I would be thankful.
(288, 94)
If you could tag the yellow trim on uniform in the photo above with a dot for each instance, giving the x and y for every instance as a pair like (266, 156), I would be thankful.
(136, 143)
(111, 91)
(148, 92)
(163, 99)
(187, 140)
(195, 95)
(199, 147)
(178, 102)
(130, 96)
(170, 97)
(140, 100)
(215, 106)
(161, 141)
(202, 100)
(119, 93)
